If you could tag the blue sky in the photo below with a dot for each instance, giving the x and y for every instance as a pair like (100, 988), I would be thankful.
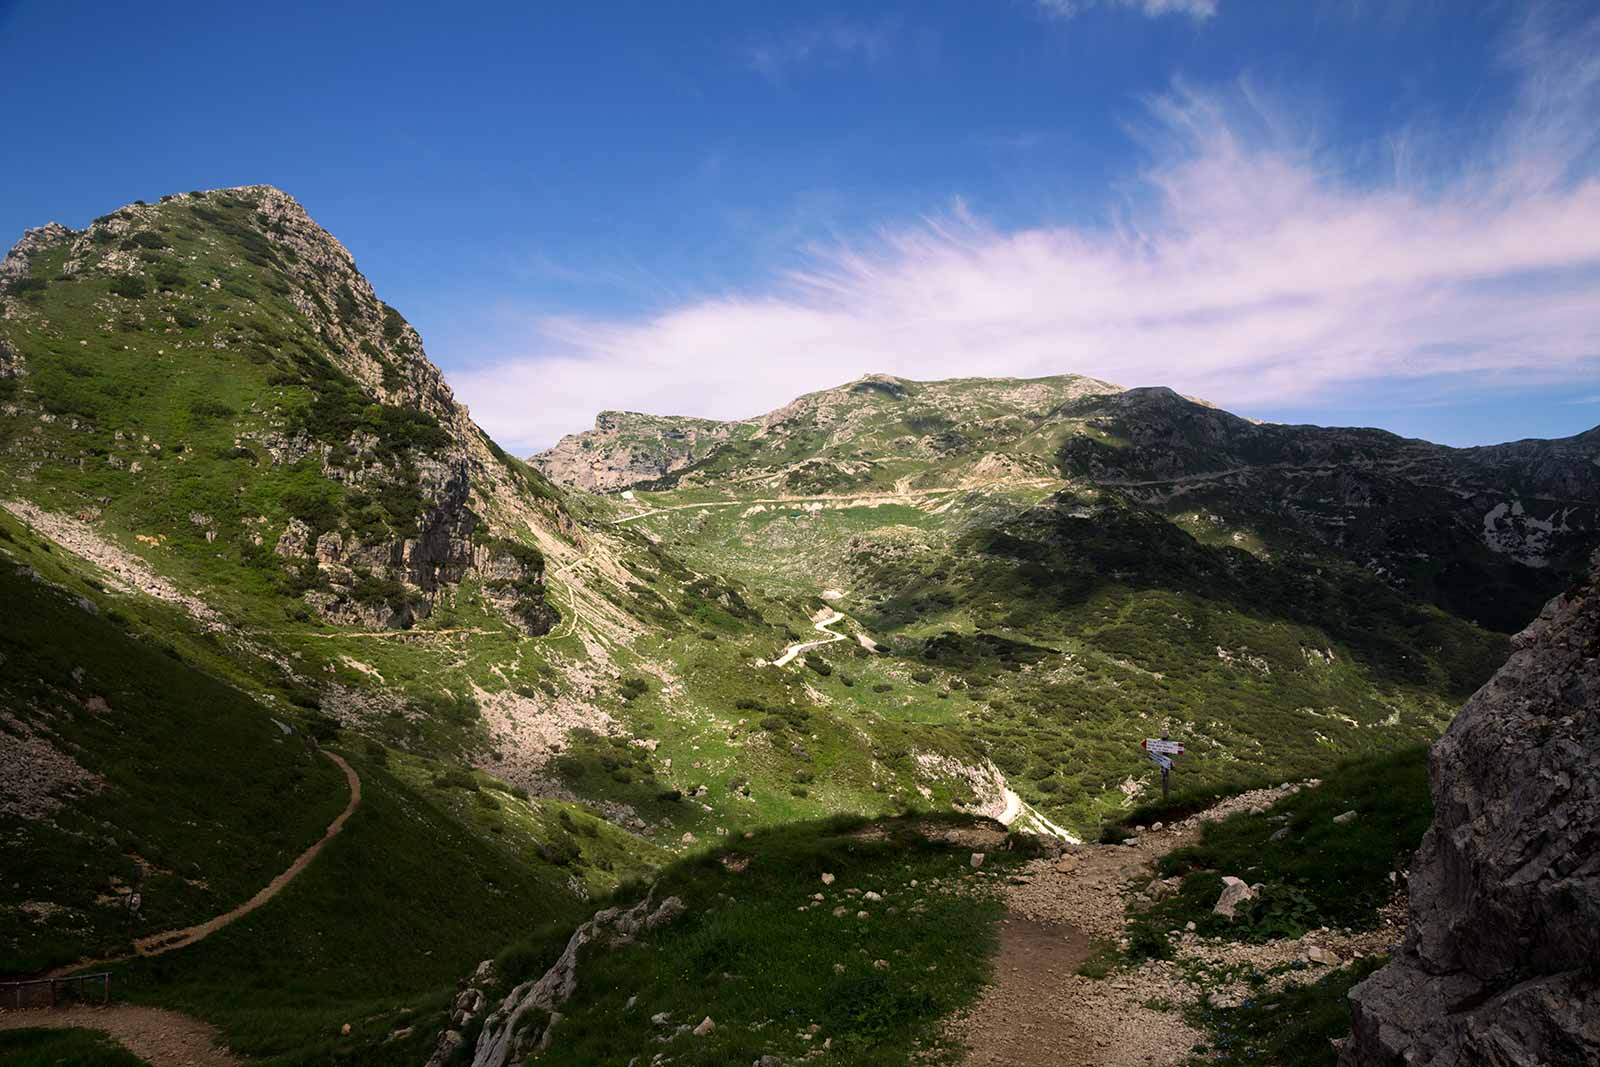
(1338, 211)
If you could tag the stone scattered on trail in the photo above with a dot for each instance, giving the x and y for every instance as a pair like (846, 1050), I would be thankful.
(840, 912)
(863, 915)
(1064, 865)
(1324, 956)
(880, 965)
(1158, 827)
(1347, 817)
(705, 1027)
(977, 860)
(827, 879)
(1189, 927)
(870, 895)
(1234, 893)
(1279, 835)
(344, 1031)
(689, 838)
(767, 1061)
(838, 968)
(661, 1018)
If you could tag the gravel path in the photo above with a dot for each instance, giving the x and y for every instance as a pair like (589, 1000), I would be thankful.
(162, 1038)
(1039, 1012)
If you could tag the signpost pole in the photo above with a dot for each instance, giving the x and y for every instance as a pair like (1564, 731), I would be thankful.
(1164, 773)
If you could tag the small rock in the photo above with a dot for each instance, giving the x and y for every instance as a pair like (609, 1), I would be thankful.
(1347, 817)
(689, 838)
(976, 860)
(705, 1027)
(1234, 893)
(863, 915)
(345, 1030)
(880, 965)
(827, 879)
(661, 1018)
(1279, 835)
(873, 896)
(838, 968)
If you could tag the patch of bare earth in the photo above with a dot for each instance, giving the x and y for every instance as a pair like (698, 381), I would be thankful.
(127, 571)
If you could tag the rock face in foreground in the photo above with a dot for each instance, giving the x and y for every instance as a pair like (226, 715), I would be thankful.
(1502, 961)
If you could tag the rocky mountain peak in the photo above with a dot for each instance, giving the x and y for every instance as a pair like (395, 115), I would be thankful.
(240, 292)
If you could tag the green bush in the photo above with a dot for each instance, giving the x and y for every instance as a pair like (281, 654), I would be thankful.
(129, 287)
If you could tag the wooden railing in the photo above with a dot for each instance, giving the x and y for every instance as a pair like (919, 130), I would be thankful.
(51, 992)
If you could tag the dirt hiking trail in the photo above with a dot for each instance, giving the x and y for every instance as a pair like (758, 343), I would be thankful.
(169, 940)
(162, 1038)
(1039, 1012)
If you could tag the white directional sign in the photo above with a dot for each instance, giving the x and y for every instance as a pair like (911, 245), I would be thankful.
(1164, 762)
(1158, 744)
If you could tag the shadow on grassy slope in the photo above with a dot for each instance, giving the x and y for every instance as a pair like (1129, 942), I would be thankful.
(1318, 872)
(767, 962)
(64, 1048)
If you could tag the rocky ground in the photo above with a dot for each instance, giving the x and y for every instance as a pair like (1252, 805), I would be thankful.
(1040, 1011)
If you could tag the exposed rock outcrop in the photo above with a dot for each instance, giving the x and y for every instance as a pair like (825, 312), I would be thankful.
(1501, 964)
(626, 448)
(524, 1019)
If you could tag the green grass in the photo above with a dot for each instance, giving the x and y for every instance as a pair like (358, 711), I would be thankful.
(1320, 874)
(64, 1048)
(748, 957)
(398, 907)
(196, 780)
(1293, 1027)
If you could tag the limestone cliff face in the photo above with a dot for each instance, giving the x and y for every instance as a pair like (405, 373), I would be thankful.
(626, 448)
(1501, 964)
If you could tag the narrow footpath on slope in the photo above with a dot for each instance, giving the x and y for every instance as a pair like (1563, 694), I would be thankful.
(168, 1038)
(169, 940)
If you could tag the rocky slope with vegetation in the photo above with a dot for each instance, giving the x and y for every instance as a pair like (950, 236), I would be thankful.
(244, 518)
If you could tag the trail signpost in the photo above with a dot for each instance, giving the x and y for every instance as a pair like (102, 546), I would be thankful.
(1161, 750)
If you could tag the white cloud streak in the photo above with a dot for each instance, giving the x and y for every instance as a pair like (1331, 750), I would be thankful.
(776, 59)
(1199, 10)
(1249, 267)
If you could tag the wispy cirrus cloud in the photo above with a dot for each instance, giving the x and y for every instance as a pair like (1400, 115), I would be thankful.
(1198, 10)
(1247, 262)
(777, 57)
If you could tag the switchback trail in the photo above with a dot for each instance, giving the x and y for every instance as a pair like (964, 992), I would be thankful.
(168, 940)
(162, 1038)
(821, 626)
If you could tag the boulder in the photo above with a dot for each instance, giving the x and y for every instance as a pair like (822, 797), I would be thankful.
(1234, 893)
(1498, 961)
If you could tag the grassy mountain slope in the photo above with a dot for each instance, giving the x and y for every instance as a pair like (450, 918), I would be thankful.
(204, 396)
(1058, 568)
